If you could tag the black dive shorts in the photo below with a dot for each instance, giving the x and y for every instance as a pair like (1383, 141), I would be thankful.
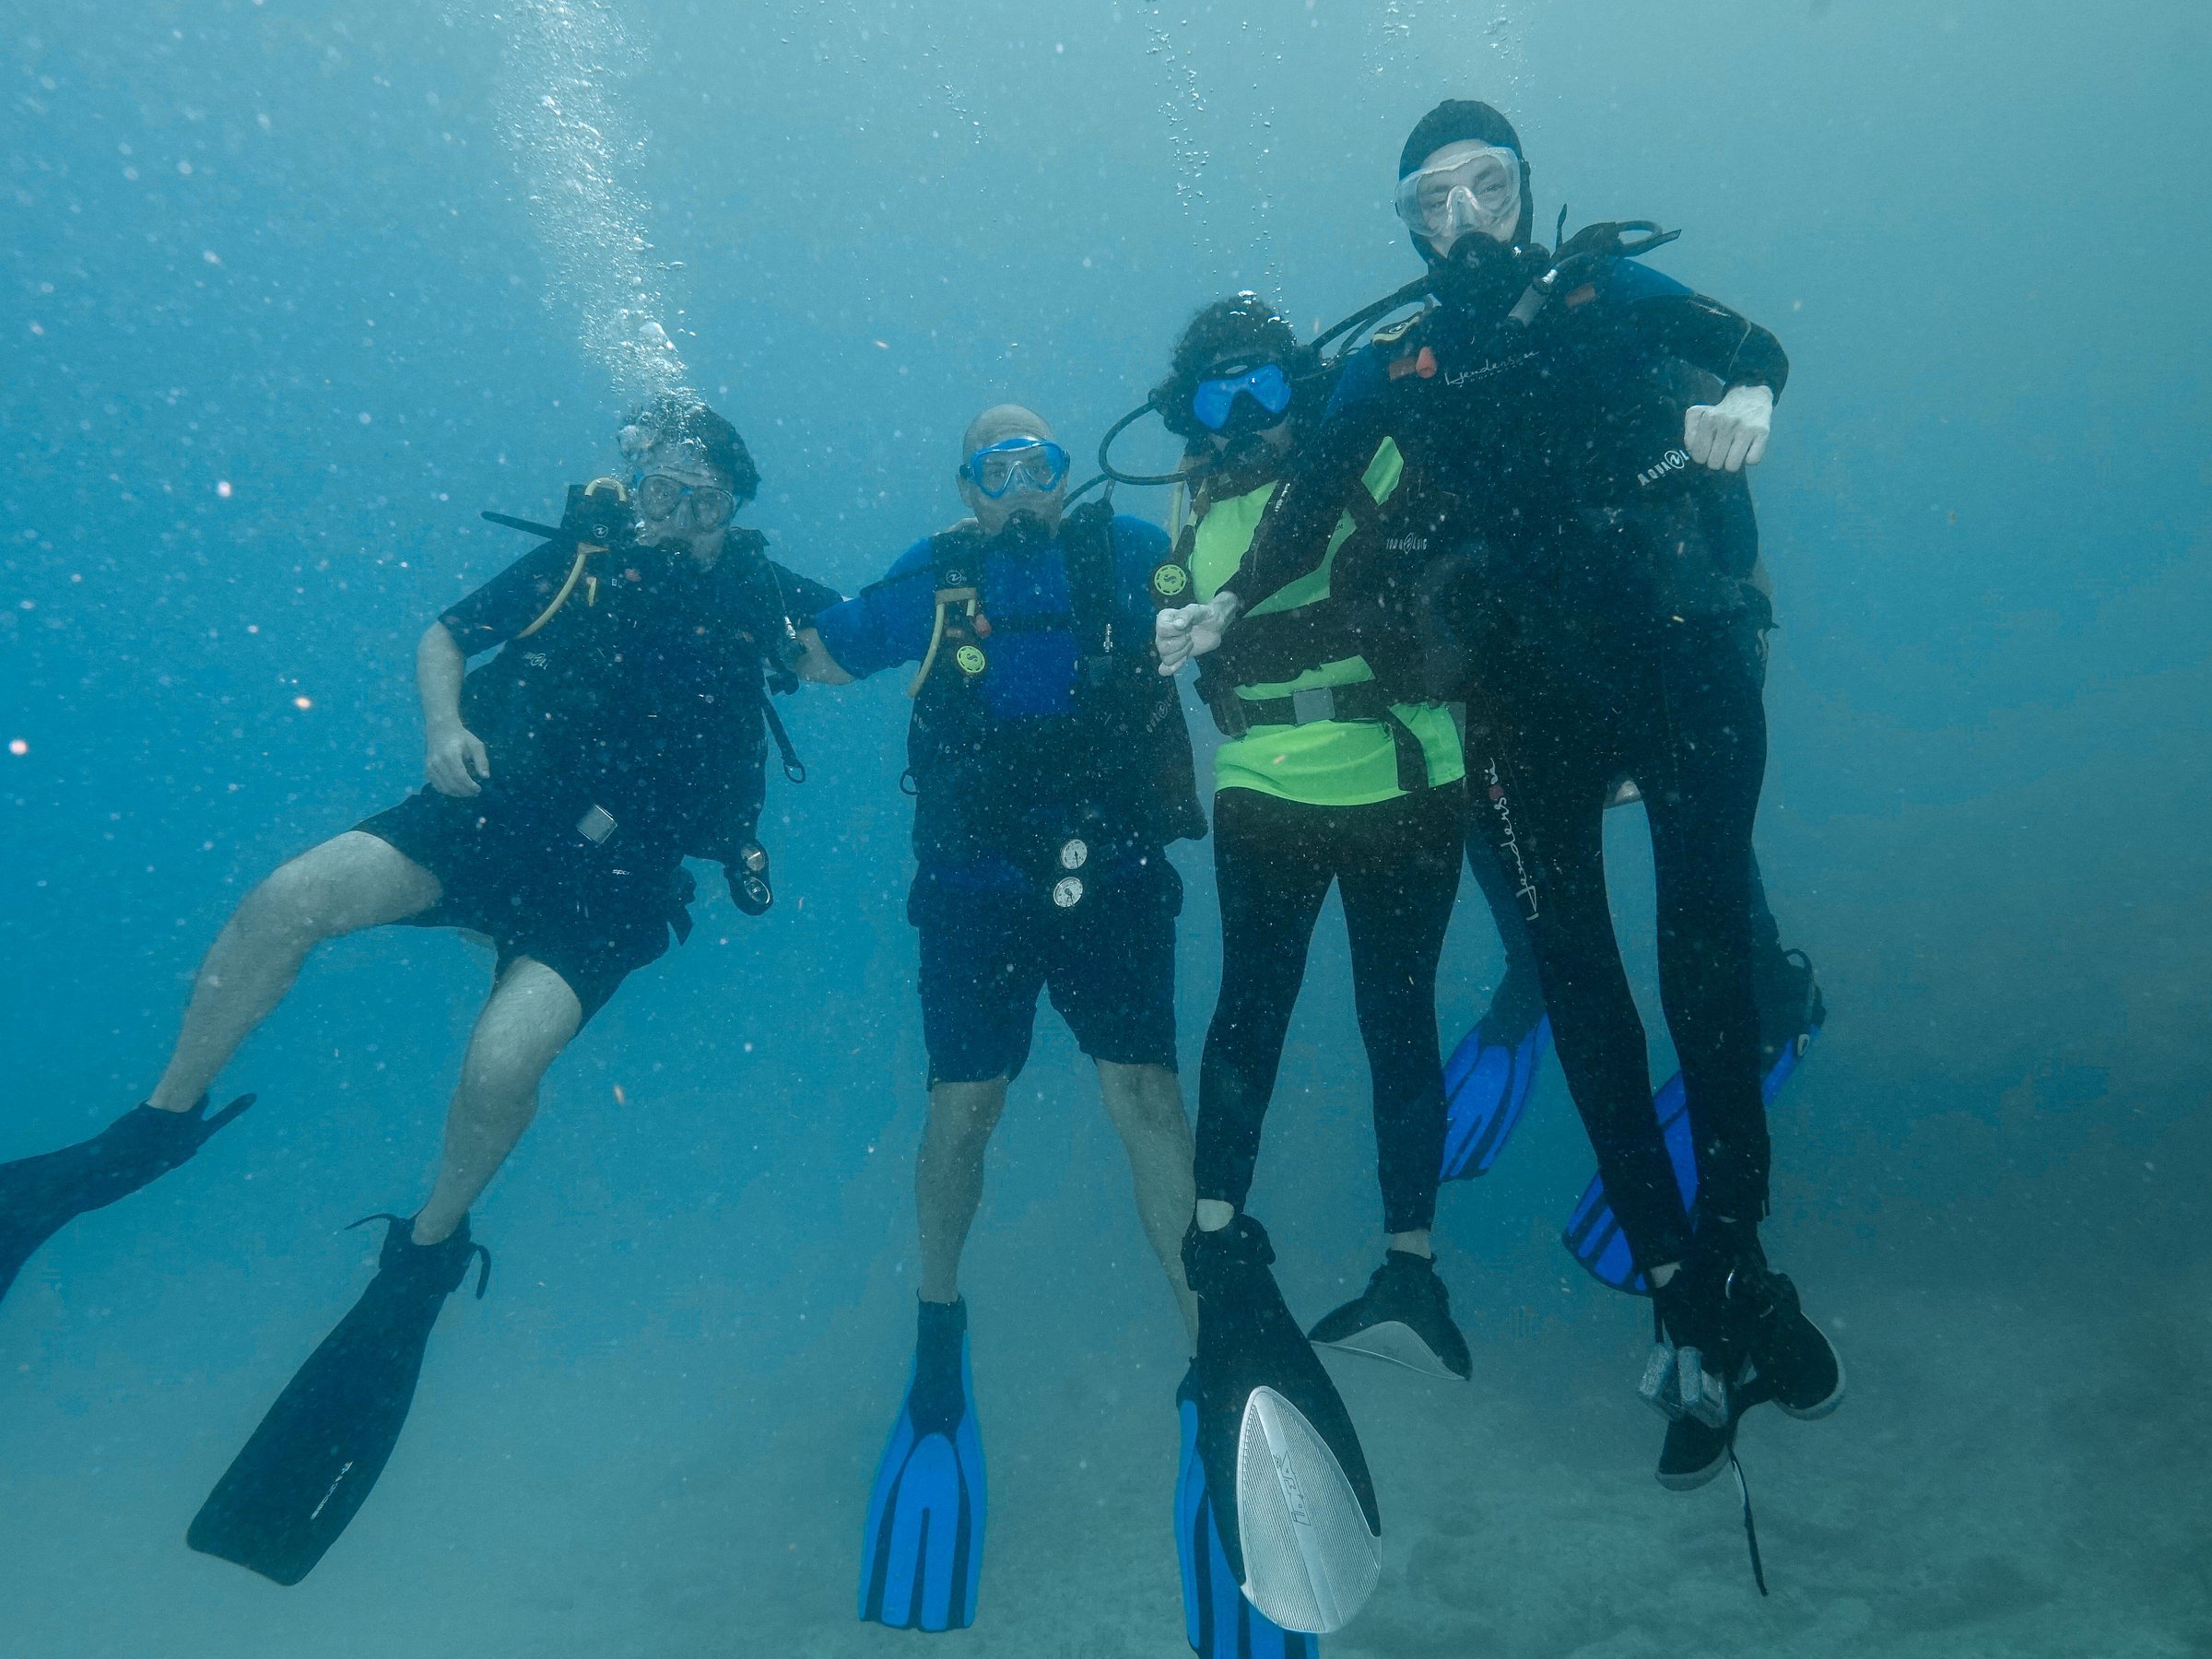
(582, 910)
(1108, 960)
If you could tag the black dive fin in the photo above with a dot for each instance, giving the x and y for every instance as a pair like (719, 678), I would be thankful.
(41, 1195)
(1289, 1485)
(313, 1460)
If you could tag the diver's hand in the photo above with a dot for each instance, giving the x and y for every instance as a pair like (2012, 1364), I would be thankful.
(455, 761)
(1731, 434)
(1183, 631)
(749, 890)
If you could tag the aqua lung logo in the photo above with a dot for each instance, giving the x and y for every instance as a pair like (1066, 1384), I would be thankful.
(1508, 840)
(1673, 461)
(1405, 544)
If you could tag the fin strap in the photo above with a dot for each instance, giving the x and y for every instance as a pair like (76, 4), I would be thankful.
(1759, 1569)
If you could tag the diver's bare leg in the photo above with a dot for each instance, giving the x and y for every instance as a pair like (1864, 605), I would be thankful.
(528, 1021)
(349, 882)
(1145, 1104)
(948, 1177)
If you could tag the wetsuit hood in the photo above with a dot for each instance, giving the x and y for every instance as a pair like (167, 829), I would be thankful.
(1464, 121)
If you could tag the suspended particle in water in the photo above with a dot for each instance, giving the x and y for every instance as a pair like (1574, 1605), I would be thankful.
(16, 746)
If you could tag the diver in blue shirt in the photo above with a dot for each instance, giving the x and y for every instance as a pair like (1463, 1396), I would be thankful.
(1050, 766)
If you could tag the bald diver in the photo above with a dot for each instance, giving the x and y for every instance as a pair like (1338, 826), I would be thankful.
(1051, 770)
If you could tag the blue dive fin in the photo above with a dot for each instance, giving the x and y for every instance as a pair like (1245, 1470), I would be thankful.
(923, 1556)
(1487, 1086)
(1219, 1622)
(1593, 1234)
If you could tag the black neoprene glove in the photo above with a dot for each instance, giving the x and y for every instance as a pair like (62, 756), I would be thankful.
(749, 890)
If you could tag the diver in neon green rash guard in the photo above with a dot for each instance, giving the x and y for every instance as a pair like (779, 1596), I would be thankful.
(1336, 772)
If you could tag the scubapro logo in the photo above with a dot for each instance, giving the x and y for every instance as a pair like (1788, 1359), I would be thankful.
(1672, 462)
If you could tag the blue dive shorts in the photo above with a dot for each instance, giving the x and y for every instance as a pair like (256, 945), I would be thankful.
(1108, 960)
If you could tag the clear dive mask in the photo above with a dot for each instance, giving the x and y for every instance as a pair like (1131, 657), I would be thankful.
(1463, 189)
(659, 496)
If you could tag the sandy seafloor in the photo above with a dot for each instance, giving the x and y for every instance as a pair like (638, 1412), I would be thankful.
(653, 1439)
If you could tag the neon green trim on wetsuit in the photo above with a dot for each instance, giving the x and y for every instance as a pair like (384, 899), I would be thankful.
(1330, 762)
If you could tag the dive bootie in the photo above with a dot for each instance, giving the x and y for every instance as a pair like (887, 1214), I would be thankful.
(1731, 1336)
(1793, 1362)
(1292, 1500)
(1791, 1010)
(1791, 1014)
(922, 1556)
(1219, 1620)
(1404, 1316)
(41, 1195)
(316, 1455)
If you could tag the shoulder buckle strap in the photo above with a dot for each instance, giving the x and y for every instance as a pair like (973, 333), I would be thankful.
(955, 557)
(1086, 551)
(793, 767)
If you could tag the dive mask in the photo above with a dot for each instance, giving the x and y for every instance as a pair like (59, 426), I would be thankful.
(1465, 188)
(659, 496)
(1032, 464)
(1264, 386)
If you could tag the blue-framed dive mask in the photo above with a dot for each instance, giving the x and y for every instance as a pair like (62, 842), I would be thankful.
(1032, 464)
(1264, 386)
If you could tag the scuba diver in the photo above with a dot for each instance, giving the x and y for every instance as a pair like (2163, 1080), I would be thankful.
(622, 728)
(1051, 768)
(1336, 769)
(1589, 601)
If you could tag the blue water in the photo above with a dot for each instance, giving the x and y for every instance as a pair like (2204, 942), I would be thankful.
(291, 290)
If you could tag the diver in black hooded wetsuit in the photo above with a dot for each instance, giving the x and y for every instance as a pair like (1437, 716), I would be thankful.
(1588, 611)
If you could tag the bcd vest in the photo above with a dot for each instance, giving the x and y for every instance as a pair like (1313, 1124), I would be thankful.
(609, 703)
(1113, 773)
(1340, 643)
(1566, 435)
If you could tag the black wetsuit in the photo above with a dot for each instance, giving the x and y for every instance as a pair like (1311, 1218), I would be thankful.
(644, 697)
(1597, 601)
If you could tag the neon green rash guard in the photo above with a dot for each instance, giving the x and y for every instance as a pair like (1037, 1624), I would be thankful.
(1328, 763)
